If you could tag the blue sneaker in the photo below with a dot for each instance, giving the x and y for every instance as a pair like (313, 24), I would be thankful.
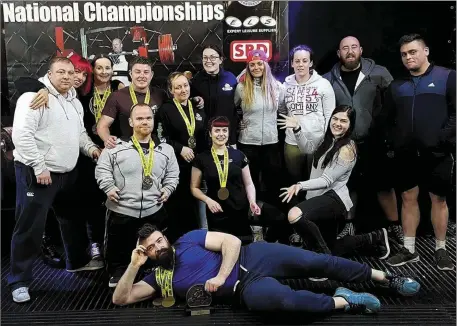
(358, 302)
(404, 285)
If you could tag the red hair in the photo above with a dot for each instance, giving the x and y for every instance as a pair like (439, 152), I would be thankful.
(84, 65)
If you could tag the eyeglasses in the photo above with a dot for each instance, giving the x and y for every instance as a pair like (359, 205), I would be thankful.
(211, 58)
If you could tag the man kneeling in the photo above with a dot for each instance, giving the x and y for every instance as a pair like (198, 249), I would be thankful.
(228, 269)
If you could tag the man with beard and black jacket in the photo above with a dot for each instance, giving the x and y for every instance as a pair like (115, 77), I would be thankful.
(422, 105)
(360, 83)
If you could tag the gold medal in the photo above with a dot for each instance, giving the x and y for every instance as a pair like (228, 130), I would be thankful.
(168, 302)
(147, 166)
(190, 125)
(223, 193)
(164, 279)
(147, 98)
(99, 103)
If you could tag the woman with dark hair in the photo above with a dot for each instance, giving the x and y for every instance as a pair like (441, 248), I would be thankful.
(327, 201)
(231, 197)
(216, 87)
(310, 98)
(181, 124)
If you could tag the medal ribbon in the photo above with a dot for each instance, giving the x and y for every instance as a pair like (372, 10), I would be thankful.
(133, 96)
(99, 102)
(223, 174)
(164, 278)
(190, 125)
(147, 166)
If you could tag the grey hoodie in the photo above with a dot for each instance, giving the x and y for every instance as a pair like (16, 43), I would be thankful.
(121, 167)
(261, 118)
(312, 103)
(372, 82)
(50, 138)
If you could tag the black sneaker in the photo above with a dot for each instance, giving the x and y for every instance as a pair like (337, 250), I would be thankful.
(395, 232)
(95, 251)
(115, 277)
(380, 240)
(404, 256)
(296, 241)
(347, 230)
(50, 255)
(443, 261)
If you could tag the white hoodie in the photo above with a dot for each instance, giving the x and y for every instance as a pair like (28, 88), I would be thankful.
(312, 103)
(50, 138)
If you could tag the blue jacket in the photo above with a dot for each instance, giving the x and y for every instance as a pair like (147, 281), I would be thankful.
(218, 92)
(420, 111)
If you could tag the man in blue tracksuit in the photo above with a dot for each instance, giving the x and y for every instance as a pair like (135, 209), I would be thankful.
(421, 112)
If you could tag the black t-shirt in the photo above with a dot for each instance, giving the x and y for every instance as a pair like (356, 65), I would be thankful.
(350, 78)
(237, 199)
(89, 111)
(171, 126)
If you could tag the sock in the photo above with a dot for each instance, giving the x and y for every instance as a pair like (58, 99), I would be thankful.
(409, 244)
(440, 244)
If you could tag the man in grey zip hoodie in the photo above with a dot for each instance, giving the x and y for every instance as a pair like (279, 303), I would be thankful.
(361, 83)
(47, 144)
(131, 203)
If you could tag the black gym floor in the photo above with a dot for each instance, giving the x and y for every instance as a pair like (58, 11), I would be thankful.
(61, 298)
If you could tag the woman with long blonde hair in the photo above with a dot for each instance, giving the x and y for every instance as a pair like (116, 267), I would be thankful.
(260, 95)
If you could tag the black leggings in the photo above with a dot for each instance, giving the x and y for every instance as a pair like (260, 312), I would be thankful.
(238, 223)
(319, 223)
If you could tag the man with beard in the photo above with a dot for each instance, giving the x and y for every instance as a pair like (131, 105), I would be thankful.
(117, 108)
(138, 176)
(422, 105)
(360, 83)
(247, 274)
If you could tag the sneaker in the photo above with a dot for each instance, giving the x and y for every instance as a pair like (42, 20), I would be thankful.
(21, 294)
(358, 302)
(347, 230)
(317, 279)
(404, 256)
(257, 232)
(443, 261)
(50, 255)
(380, 240)
(93, 265)
(95, 251)
(295, 240)
(115, 277)
(395, 232)
(404, 285)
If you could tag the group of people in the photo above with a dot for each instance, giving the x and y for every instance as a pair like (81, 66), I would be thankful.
(215, 140)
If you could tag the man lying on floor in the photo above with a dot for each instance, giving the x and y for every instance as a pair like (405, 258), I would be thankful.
(249, 272)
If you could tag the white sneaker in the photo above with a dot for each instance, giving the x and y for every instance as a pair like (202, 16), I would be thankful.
(21, 294)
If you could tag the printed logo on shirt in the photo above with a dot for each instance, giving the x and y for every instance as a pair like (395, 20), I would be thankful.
(431, 85)
(227, 87)
(198, 117)
(302, 100)
(30, 194)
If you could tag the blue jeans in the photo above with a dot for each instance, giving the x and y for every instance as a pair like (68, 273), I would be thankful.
(267, 262)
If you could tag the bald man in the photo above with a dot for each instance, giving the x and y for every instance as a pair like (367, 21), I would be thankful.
(120, 62)
(360, 83)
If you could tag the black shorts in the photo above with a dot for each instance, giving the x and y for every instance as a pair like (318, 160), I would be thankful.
(373, 169)
(433, 170)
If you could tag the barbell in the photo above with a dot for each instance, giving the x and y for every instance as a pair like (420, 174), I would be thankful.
(165, 49)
